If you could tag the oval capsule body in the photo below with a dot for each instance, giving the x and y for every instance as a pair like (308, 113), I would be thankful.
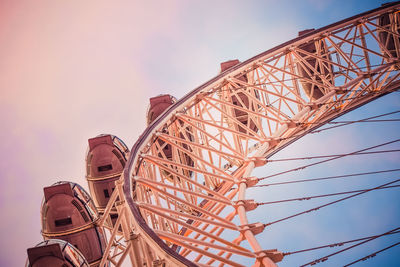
(105, 160)
(68, 213)
(315, 72)
(240, 98)
(157, 106)
(389, 23)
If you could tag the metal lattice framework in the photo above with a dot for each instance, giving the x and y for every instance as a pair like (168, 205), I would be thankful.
(189, 209)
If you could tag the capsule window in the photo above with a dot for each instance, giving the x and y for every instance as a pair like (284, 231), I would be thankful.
(85, 217)
(63, 222)
(116, 153)
(106, 194)
(76, 204)
(122, 162)
(104, 168)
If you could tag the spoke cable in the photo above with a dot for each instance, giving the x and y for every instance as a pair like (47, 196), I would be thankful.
(328, 177)
(326, 160)
(324, 195)
(322, 259)
(339, 244)
(348, 122)
(351, 122)
(372, 254)
(330, 203)
(335, 155)
(335, 126)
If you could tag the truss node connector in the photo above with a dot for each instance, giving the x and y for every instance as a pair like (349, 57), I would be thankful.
(249, 181)
(258, 161)
(366, 75)
(291, 124)
(241, 237)
(174, 116)
(273, 254)
(248, 204)
(158, 262)
(392, 60)
(201, 95)
(273, 141)
(120, 181)
(339, 90)
(314, 106)
(133, 236)
(119, 203)
(255, 228)
(177, 115)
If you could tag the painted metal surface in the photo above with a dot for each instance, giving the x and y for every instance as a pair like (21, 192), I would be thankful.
(278, 99)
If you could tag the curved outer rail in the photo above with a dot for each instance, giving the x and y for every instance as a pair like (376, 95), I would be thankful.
(265, 149)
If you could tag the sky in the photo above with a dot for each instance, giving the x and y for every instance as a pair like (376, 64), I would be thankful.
(70, 70)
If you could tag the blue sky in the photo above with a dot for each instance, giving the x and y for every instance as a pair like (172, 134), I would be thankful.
(70, 71)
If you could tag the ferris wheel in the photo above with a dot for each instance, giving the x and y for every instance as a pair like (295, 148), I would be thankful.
(183, 196)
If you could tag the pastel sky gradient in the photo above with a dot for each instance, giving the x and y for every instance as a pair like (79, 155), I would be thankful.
(70, 70)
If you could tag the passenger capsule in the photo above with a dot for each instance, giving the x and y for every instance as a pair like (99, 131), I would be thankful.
(391, 43)
(312, 69)
(157, 106)
(55, 253)
(105, 161)
(240, 99)
(68, 213)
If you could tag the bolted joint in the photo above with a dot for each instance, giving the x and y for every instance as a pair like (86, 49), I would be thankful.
(201, 95)
(340, 90)
(133, 236)
(291, 124)
(120, 181)
(158, 262)
(119, 203)
(314, 106)
(248, 204)
(273, 254)
(258, 161)
(255, 228)
(273, 142)
(366, 74)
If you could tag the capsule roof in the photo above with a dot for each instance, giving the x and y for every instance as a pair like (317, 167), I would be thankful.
(229, 64)
(158, 105)
(80, 199)
(55, 252)
(110, 140)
